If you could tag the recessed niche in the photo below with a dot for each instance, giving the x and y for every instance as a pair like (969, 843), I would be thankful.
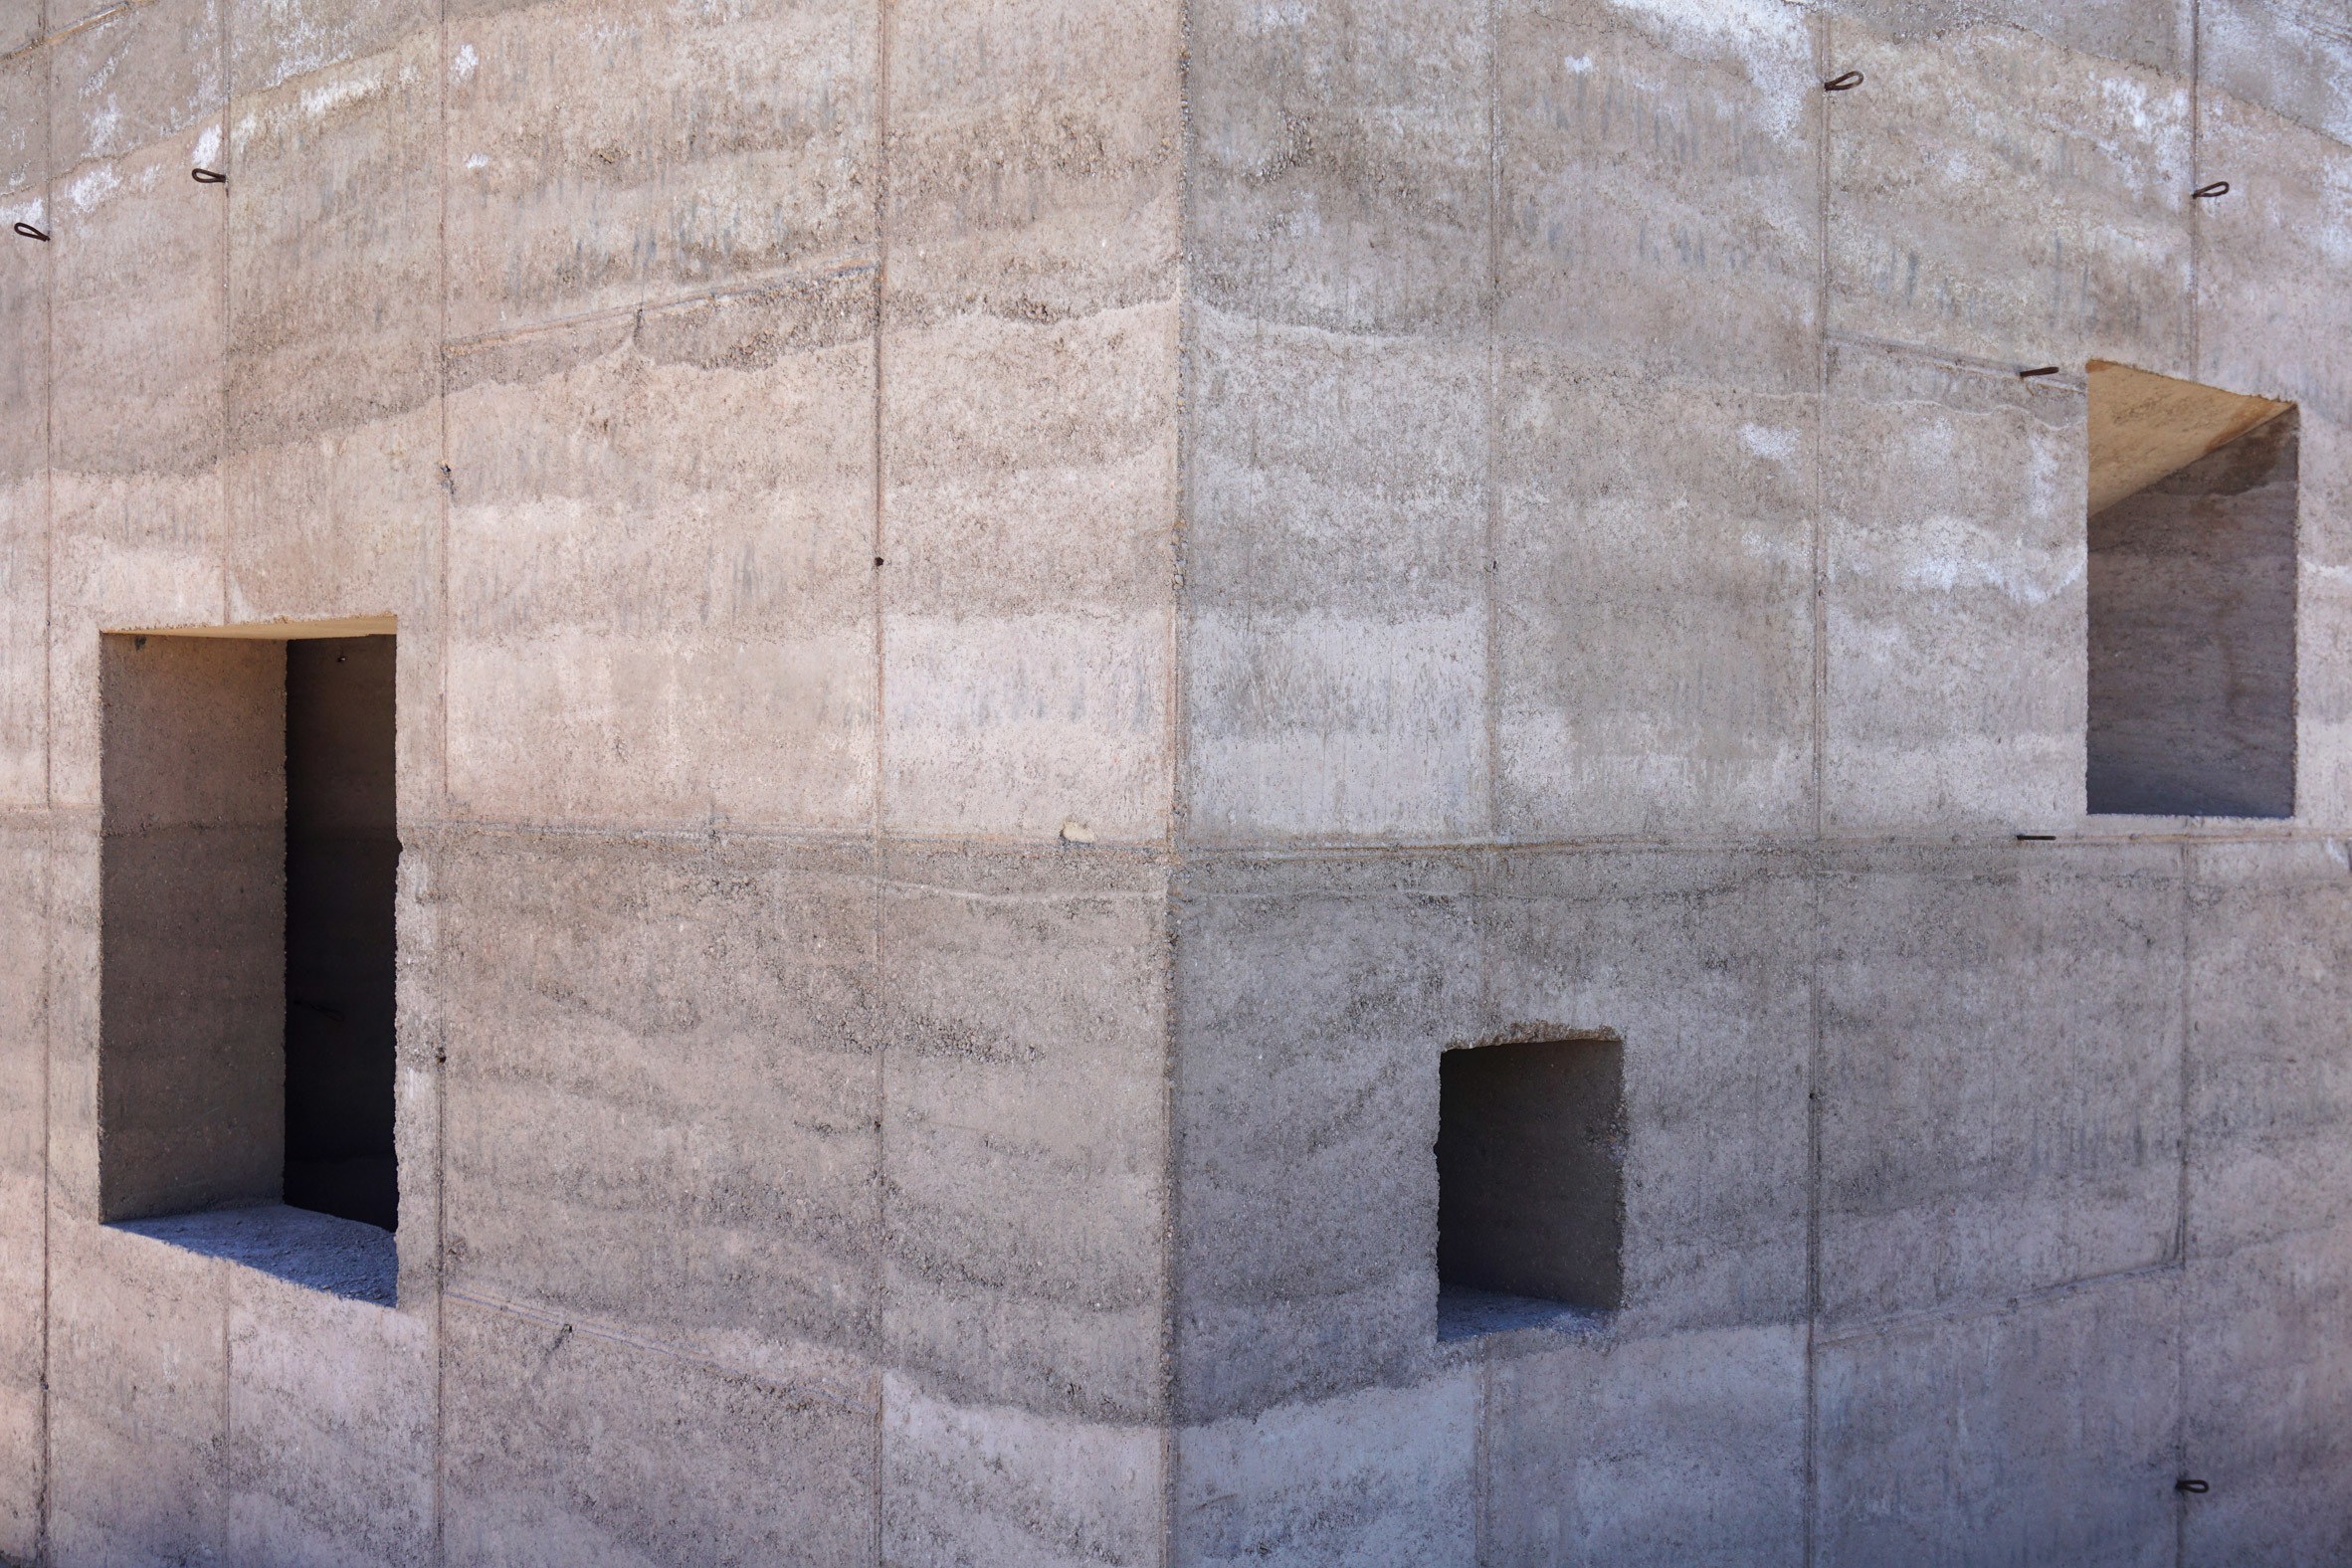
(1530, 1182)
(248, 862)
(2192, 590)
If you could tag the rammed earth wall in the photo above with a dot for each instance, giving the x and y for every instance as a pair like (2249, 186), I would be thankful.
(1012, 613)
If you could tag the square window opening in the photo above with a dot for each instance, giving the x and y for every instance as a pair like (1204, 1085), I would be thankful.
(2192, 589)
(1530, 1157)
(249, 859)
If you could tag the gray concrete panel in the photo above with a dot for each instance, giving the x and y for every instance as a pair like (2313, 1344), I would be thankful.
(2281, 220)
(1025, 1204)
(2001, 1073)
(23, 271)
(567, 1443)
(1697, 963)
(659, 1097)
(24, 433)
(1664, 159)
(137, 328)
(2039, 1432)
(1680, 1448)
(75, 966)
(1653, 618)
(23, 630)
(1029, 511)
(659, 567)
(1968, 211)
(330, 483)
(1341, 164)
(20, 24)
(274, 42)
(2323, 621)
(326, 1470)
(1336, 639)
(25, 924)
(138, 1401)
(2291, 57)
(1955, 597)
(553, 204)
(1382, 1478)
(2269, 1067)
(1035, 168)
(1312, 1000)
(134, 78)
(989, 1484)
(766, 141)
(2264, 1390)
(2149, 33)
(333, 220)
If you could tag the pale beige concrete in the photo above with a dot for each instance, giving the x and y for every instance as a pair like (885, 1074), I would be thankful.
(1014, 613)
(1955, 607)
(2145, 427)
(25, 917)
(1983, 206)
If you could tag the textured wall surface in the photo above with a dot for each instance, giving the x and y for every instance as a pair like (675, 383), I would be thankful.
(1013, 613)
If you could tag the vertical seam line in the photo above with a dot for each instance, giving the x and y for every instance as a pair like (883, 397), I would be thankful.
(443, 486)
(220, 469)
(877, 806)
(219, 1272)
(228, 524)
(1494, 519)
(2180, 1340)
(1482, 1444)
(1824, 42)
(1179, 761)
(2196, 178)
(50, 837)
(2180, 1533)
(1823, 47)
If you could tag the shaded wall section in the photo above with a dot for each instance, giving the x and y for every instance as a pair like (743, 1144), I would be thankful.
(192, 895)
(342, 862)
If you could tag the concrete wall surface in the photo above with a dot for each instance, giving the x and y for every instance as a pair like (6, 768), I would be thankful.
(1013, 613)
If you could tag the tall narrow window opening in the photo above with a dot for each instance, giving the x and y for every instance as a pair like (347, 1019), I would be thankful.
(2192, 551)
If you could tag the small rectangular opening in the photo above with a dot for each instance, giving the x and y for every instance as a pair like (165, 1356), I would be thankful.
(2192, 588)
(248, 863)
(1530, 1182)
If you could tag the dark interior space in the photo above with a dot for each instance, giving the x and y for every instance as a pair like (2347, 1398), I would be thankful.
(1531, 1171)
(342, 855)
(2193, 637)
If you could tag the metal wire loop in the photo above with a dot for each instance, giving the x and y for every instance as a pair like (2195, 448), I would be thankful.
(207, 177)
(31, 233)
(1842, 84)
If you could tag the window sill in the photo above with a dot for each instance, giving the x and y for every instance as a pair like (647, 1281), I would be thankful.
(1464, 1313)
(318, 1252)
